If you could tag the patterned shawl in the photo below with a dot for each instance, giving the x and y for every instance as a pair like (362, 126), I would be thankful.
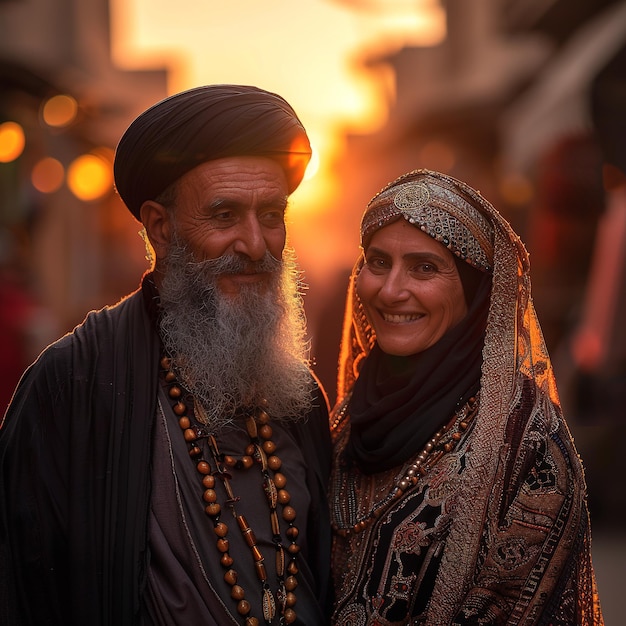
(516, 370)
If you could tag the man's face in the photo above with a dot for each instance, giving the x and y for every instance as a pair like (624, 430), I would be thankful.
(233, 206)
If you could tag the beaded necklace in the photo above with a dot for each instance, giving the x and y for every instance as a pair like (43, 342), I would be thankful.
(346, 521)
(261, 451)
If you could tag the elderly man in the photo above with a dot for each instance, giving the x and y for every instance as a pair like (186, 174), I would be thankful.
(166, 462)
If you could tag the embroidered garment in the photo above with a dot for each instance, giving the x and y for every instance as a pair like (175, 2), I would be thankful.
(487, 522)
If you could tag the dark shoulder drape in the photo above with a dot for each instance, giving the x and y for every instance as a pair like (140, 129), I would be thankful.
(74, 457)
(313, 437)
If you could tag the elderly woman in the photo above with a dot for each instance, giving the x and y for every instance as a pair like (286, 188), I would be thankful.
(457, 494)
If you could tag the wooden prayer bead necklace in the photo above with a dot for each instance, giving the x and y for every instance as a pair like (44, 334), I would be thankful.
(261, 450)
(425, 460)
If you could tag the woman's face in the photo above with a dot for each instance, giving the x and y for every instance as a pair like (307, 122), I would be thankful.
(410, 288)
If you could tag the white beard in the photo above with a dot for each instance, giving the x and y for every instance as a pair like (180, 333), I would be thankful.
(238, 350)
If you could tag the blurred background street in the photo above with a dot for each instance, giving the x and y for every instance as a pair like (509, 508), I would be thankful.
(609, 554)
(526, 101)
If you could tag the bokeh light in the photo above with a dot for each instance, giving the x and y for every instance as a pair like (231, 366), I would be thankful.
(47, 175)
(59, 111)
(90, 177)
(12, 141)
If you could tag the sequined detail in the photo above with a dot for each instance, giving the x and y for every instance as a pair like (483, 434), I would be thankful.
(439, 208)
(411, 197)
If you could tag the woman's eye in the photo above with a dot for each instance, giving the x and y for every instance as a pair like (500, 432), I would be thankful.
(377, 263)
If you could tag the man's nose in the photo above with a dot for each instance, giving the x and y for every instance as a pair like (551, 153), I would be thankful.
(250, 239)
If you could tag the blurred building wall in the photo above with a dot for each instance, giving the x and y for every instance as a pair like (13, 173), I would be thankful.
(61, 256)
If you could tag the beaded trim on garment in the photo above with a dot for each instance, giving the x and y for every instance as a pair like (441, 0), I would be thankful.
(347, 519)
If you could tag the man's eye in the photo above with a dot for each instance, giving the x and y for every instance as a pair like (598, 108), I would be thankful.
(273, 217)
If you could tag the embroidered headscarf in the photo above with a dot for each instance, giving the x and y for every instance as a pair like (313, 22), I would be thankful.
(202, 124)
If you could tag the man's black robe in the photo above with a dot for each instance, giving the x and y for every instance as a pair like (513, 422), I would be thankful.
(75, 452)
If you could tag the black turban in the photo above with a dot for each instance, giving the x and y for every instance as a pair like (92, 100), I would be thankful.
(202, 124)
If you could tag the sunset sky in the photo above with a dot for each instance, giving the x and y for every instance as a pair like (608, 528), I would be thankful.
(305, 50)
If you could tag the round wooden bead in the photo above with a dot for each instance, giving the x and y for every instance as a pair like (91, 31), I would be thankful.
(237, 592)
(210, 496)
(220, 529)
(274, 463)
(213, 509)
(279, 480)
(203, 467)
(269, 447)
(243, 607)
(175, 391)
(230, 576)
(289, 514)
(190, 435)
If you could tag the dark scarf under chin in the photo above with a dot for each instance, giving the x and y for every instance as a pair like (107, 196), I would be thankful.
(398, 403)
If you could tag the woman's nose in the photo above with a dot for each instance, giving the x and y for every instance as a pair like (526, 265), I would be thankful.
(394, 288)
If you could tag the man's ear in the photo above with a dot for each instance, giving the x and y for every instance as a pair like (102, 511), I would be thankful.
(156, 220)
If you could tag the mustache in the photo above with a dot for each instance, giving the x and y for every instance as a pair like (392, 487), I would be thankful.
(237, 264)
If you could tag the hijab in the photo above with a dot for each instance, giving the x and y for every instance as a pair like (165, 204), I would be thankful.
(397, 403)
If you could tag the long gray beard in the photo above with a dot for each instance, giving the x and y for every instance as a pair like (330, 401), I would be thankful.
(237, 351)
